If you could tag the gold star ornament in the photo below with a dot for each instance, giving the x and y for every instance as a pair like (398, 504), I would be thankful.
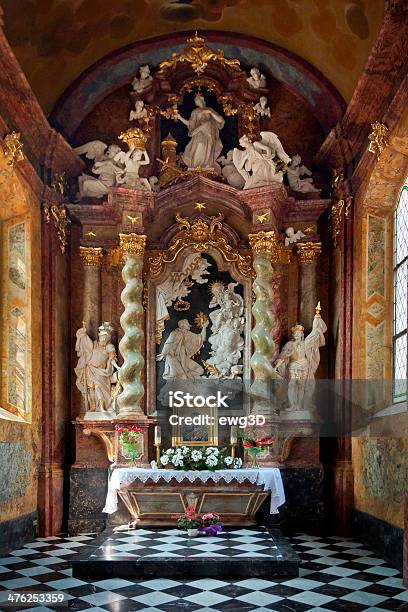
(200, 206)
(262, 218)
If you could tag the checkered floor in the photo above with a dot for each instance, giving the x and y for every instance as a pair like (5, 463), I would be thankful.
(336, 574)
(175, 543)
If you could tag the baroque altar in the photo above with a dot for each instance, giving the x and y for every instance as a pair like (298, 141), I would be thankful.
(196, 239)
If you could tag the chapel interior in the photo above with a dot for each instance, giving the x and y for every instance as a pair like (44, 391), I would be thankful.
(205, 197)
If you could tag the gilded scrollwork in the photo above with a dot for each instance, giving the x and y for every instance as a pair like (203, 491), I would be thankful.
(378, 139)
(13, 148)
(270, 243)
(199, 235)
(198, 55)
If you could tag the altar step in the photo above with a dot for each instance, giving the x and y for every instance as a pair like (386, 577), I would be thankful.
(168, 553)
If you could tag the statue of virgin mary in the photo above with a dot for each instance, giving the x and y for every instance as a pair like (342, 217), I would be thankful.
(205, 145)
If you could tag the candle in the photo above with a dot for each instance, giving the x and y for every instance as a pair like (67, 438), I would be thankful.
(157, 435)
(234, 435)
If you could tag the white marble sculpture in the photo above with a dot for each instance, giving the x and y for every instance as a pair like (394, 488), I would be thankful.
(96, 372)
(139, 112)
(262, 108)
(177, 287)
(299, 360)
(256, 79)
(256, 163)
(140, 83)
(132, 161)
(294, 171)
(205, 145)
(292, 236)
(178, 352)
(229, 171)
(227, 326)
(105, 167)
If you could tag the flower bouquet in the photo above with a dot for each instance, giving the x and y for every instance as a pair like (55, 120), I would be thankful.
(131, 442)
(189, 520)
(211, 524)
(201, 458)
(256, 444)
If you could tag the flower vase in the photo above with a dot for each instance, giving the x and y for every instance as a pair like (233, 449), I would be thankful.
(192, 533)
(254, 452)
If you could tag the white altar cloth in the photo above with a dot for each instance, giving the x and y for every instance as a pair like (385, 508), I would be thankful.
(270, 478)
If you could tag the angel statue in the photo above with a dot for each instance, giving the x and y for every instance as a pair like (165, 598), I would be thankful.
(299, 360)
(177, 286)
(105, 167)
(139, 112)
(205, 145)
(294, 171)
(132, 161)
(256, 79)
(292, 236)
(96, 372)
(178, 352)
(140, 83)
(256, 163)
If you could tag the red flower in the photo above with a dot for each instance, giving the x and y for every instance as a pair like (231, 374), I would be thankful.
(120, 429)
(265, 441)
(248, 444)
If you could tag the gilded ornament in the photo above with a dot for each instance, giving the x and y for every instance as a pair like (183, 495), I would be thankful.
(269, 243)
(309, 251)
(250, 121)
(58, 213)
(134, 220)
(132, 244)
(200, 206)
(200, 319)
(91, 256)
(59, 183)
(379, 138)
(199, 235)
(262, 218)
(337, 179)
(227, 106)
(134, 137)
(198, 55)
(115, 257)
(339, 209)
(13, 148)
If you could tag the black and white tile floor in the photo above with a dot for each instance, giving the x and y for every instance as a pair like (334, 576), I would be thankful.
(336, 574)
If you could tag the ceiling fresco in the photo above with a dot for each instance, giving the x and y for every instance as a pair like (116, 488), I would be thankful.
(56, 40)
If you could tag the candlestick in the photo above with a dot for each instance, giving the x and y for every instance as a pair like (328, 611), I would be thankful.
(234, 435)
(157, 435)
(157, 454)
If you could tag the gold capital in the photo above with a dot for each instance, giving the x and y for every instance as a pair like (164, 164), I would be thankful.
(269, 243)
(309, 251)
(132, 244)
(91, 256)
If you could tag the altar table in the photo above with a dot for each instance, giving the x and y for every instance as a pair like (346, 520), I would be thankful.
(246, 486)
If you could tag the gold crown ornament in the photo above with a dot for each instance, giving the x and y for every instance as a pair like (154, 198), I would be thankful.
(298, 328)
(134, 137)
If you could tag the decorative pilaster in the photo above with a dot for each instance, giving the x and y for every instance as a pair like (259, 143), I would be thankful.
(267, 251)
(308, 253)
(129, 401)
(92, 260)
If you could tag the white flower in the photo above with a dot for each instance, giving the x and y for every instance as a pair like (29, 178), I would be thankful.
(184, 450)
(228, 460)
(164, 460)
(153, 465)
(209, 450)
(196, 455)
(170, 451)
(211, 462)
(237, 463)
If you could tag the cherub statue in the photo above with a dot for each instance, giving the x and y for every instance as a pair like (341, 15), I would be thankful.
(256, 163)
(104, 166)
(299, 360)
(256, 79)
(292, 236)
(140, 111)
(229, 171)
(294, 171)
(96, 372)
(261, 107)
(132, 161)
(139, 84)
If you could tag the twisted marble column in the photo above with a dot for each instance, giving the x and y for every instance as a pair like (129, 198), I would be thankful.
(92, 260)
(129, 401)
(267, 251)
(308, 253)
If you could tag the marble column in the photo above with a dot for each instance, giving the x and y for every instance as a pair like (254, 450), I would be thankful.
(308, 253)
(130, 376)
(92, 260)
(267, 251)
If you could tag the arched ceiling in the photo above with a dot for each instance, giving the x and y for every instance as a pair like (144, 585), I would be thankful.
(56, 40)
